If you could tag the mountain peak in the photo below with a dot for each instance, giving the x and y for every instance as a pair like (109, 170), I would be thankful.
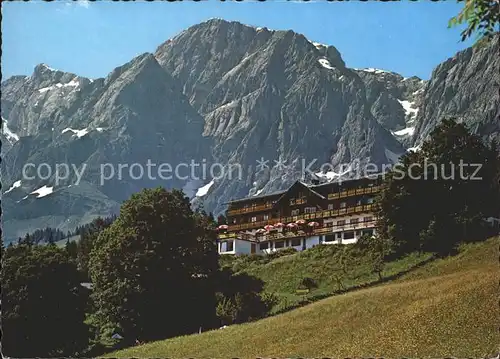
(44, 68)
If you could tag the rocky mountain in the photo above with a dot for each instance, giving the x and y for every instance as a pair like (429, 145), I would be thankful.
(94, 128)
(464, 87)
(394, 101)
(227, 110)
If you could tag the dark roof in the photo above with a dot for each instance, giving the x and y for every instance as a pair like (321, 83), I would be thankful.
(339, 182)
(313, 191)
(308, 186)
(257, 197)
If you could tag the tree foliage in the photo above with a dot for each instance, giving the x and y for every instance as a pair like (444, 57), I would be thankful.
(43, 303)
(440, 195)
(240, 298)
(481, 16)
(88, 236)
(46, 235)
(152, 269)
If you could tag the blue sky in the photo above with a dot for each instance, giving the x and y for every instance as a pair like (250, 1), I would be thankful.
(91, 39)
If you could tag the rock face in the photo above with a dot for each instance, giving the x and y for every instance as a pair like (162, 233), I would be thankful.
(135, 115)
(224, 96)
(464, 87)
(277, 92)
(394, 101)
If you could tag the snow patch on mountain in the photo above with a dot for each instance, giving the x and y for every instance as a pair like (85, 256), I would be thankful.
(258, 192)
(191, 187)
(318, 45)
(408, 131)
(326, 64)
(73, 83)
(331, 175)
(408, 107)
(16, 184)
(373, 70)
(204, 190)
(228, 105)
(11, 136)
(43, 191)
(77, 133)
(418, 91)
(414, 149)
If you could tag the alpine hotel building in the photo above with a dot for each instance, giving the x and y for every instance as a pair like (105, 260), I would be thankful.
(301, 217)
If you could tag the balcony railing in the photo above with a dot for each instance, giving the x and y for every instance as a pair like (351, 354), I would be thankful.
(338, 195)
(249, 209)
(316, 215)
(287, 234)
(353, 192)
(226, 235)
(296, 201)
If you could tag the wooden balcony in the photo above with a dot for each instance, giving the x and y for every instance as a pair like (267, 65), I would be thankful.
(296, 201)
(226, 235)
(250, 209)
(309, 216)
(286, 234)
(353, 192)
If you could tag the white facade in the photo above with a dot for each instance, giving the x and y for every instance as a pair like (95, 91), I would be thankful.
(313, 241)
(339, 230)
(237, 246)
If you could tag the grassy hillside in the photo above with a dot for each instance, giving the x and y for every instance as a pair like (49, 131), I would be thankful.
(445, 308)
(333, 268)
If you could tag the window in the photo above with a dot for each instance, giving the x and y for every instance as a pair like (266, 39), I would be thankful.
(266, 217)
(309, 209)
(264, 245)
(329, 238)
(234, 220)
(253, 219)
(292, 201)
(370, 200)
(368, 219)
(295, 242)
(279, 244)
(340, 223)
(349, 235)
(330, 206)
(343, 205)
(354, 220)
(295, 212)
(338, 235)
(226, 246)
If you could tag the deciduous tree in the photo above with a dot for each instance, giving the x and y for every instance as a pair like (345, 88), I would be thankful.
(43, 303)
